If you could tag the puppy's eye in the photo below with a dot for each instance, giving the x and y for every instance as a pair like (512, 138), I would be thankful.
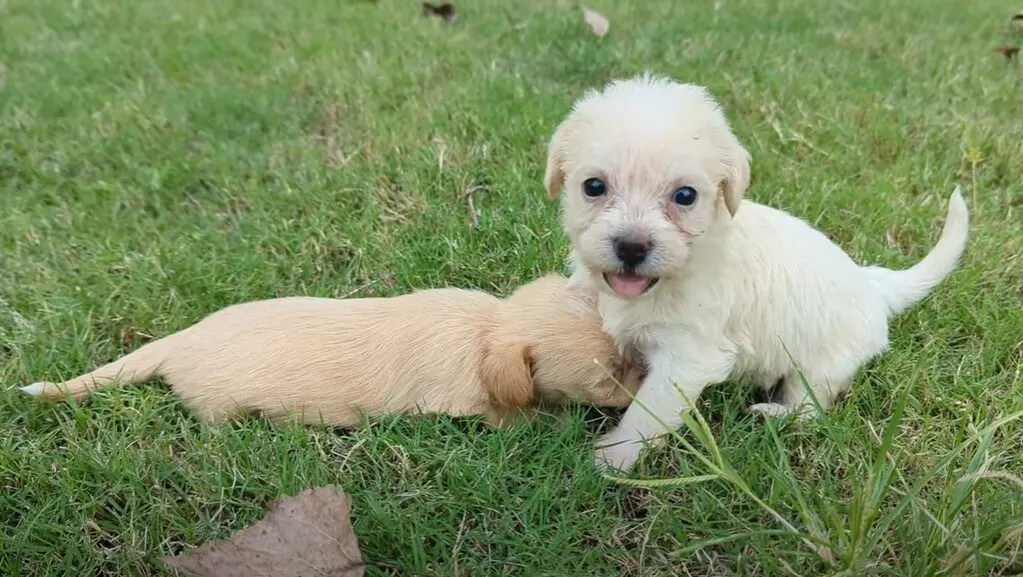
(684, 196)
(594, 187)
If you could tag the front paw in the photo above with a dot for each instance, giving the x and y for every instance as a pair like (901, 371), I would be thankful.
(615, 453)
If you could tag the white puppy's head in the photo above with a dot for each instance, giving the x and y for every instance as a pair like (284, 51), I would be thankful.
(647, 165)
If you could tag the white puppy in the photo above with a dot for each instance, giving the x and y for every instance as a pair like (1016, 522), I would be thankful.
(706, 286)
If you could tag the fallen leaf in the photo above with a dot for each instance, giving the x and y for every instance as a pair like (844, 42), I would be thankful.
(596, 21)
(305, 535)
(1009, 51)
(445, 11)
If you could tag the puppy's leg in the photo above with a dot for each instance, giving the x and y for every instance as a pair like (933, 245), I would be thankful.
(793, 395)
(678, 374)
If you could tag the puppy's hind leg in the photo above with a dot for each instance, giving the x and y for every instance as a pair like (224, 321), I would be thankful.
(793, 394)
(769, 393)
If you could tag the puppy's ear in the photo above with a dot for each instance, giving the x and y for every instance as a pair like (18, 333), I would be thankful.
(507, 376)
(554, 175)
(737, 177)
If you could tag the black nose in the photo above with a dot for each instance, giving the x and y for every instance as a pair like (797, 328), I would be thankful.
(630, 251)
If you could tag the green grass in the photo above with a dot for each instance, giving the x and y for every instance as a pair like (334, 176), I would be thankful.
(161, 160)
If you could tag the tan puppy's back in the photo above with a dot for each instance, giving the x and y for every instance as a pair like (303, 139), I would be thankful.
(321, 358)
(335, 357)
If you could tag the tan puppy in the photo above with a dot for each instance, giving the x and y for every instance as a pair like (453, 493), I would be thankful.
(319, 360)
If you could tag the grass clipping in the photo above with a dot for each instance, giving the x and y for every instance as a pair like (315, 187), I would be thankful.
(308, 534)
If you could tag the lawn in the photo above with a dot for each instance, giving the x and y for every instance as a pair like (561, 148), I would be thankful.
(162, 159)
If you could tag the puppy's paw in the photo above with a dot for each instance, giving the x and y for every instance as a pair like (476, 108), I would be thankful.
(804, 412)
(615, 453)
(776, 410)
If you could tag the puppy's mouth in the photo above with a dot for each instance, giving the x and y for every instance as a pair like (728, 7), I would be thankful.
(629, 285)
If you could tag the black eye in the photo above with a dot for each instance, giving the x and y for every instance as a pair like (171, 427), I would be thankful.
(594, 187)
(684, 196)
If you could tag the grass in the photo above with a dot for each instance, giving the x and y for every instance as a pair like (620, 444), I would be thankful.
(161, 160)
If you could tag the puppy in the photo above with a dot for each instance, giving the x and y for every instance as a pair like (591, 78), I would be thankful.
(327, 361)
(708, 287)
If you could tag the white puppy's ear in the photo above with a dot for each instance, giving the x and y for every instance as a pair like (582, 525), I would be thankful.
(554, 176)
(737, 177)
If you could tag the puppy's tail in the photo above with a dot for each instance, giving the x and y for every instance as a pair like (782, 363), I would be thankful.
(139, 366)
(902, 288)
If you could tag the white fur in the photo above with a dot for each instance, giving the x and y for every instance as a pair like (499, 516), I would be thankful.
(744, 291)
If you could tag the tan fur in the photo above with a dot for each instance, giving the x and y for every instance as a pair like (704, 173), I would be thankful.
(572, 356)
(449, 350)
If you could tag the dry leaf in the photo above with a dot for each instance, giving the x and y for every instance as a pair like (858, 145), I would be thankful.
(597, 23)
(1007, 50)
(307, 535)
(445, 11)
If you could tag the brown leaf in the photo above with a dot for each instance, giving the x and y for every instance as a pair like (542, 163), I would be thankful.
(596, 21)
(445, 11)
(307, 535)
(1009, 51)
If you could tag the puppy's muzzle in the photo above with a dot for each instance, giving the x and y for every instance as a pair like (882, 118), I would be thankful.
(632, 251)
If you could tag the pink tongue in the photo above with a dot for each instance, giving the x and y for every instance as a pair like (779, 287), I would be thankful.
(627, 285)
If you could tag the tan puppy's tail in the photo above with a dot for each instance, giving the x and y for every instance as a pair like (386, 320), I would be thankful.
(139, 366)
(902, 288)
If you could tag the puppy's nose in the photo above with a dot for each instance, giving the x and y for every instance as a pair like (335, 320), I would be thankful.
(631, 251)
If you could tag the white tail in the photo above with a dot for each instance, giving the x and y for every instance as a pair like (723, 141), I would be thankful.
(902, 288)
(139, 366)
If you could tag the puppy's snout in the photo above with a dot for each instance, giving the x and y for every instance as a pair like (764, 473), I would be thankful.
(631, 250)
